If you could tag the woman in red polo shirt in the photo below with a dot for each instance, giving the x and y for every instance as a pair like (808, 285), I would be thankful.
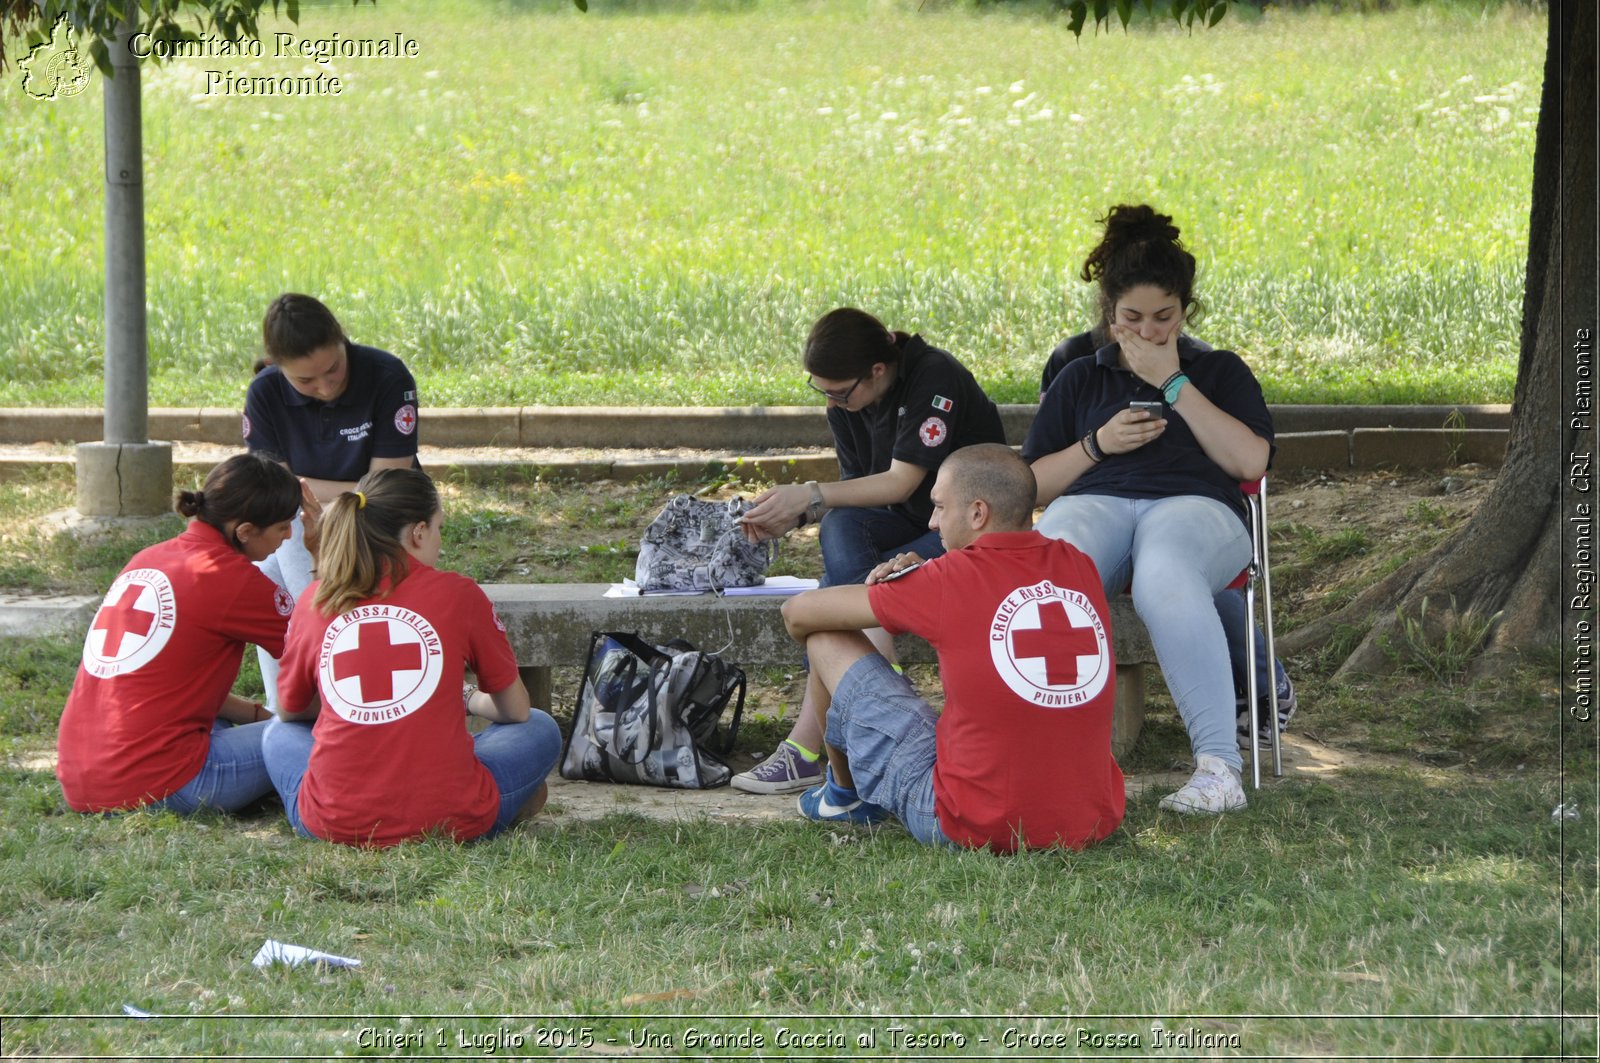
(377, 655)
(150, 720)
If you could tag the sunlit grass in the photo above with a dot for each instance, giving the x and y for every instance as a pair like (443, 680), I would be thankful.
(547, 207)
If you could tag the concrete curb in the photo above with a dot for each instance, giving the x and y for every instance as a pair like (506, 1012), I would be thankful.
(1399, 449)
(725, 429)
(31, 616)
(756, 443)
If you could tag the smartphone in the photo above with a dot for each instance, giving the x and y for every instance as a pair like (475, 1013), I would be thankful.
(897, 573)
(1152, 408)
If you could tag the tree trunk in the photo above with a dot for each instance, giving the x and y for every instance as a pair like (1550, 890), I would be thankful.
(1506, 561)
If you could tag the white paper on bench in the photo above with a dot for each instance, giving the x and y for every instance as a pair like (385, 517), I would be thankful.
(774, 585)
(629, 589)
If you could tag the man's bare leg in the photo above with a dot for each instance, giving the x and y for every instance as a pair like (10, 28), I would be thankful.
(808, 728)
(832, 654)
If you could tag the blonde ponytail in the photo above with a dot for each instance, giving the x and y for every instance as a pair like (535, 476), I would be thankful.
(361, 536)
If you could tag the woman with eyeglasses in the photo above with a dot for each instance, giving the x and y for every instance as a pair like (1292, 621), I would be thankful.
(897, 408)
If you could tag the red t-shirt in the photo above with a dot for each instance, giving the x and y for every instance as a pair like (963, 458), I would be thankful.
(158, 662)
(391, 757)
(1023, 636)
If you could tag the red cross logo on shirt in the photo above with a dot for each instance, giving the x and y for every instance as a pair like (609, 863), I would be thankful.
(122, 619)
(1058, 642)
(405, 419)
(375, 660)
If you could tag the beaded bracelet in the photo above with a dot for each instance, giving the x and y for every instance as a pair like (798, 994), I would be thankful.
(1091, 447)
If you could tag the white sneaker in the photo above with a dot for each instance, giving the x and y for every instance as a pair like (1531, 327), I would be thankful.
(1214, 787)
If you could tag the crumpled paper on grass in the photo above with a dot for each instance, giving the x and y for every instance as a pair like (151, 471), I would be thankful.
(295, 955)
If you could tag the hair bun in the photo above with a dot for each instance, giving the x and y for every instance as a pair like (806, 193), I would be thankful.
(1130, 224)
(1131, 232)
(190, 503)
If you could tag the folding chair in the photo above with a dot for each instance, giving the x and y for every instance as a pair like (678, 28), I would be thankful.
(1259, 571)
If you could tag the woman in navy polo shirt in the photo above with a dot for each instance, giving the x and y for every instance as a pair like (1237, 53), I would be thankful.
(1230, 603)
(1155, 497)
(333, 411)
(897, 408)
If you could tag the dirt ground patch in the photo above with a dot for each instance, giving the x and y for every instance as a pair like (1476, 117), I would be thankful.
(583, 802)
(576, 802)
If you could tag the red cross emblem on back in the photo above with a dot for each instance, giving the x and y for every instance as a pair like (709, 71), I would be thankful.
(375, 660)
(1058, 642)
(122, 619)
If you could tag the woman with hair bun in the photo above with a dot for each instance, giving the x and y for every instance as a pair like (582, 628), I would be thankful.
(148, 720)
(377, 655)
(1154, 497)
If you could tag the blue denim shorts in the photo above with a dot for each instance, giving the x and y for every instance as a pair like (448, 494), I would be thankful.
(888, 734)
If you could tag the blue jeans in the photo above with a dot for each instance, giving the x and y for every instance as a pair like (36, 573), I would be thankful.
(887, 732)
(1230, 606)
(1179, 552)
(290, 568)
(857, 540)
(518, 755)
(233, 776)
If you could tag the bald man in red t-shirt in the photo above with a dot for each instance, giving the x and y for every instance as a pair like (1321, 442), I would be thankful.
(1021, 755)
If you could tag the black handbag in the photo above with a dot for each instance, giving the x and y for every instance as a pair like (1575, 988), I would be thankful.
(653, 714)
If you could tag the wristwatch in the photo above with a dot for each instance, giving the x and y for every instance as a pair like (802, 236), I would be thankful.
(818, 506)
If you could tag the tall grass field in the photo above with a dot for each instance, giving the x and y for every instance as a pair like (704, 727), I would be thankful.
(648, 204)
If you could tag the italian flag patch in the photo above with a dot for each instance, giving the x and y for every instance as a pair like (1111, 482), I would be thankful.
(943, 404)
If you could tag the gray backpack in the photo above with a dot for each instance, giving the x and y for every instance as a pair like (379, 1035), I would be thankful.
(695, 545)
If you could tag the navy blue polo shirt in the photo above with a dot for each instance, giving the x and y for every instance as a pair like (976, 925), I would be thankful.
(375, 417)
(1090, 391)
(934, 407)
(1084, 344)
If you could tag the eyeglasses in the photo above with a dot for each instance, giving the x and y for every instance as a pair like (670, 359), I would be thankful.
(841, 397)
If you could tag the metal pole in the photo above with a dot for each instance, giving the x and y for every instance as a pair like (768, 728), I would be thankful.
(127, 355)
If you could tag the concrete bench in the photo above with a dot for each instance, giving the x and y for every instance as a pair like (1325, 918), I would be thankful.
(550, 623)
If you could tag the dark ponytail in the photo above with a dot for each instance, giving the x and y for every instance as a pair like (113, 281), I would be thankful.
(362, 536)
(846, 343)
(247, 488)
(1141, 246)
(296, 325)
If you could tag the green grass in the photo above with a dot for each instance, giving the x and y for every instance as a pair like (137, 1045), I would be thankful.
(1392, 893)
(496, 532)
(1384, 910)
(547, 207)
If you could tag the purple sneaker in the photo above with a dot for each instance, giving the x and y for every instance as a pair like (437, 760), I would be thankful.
(782, 773)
